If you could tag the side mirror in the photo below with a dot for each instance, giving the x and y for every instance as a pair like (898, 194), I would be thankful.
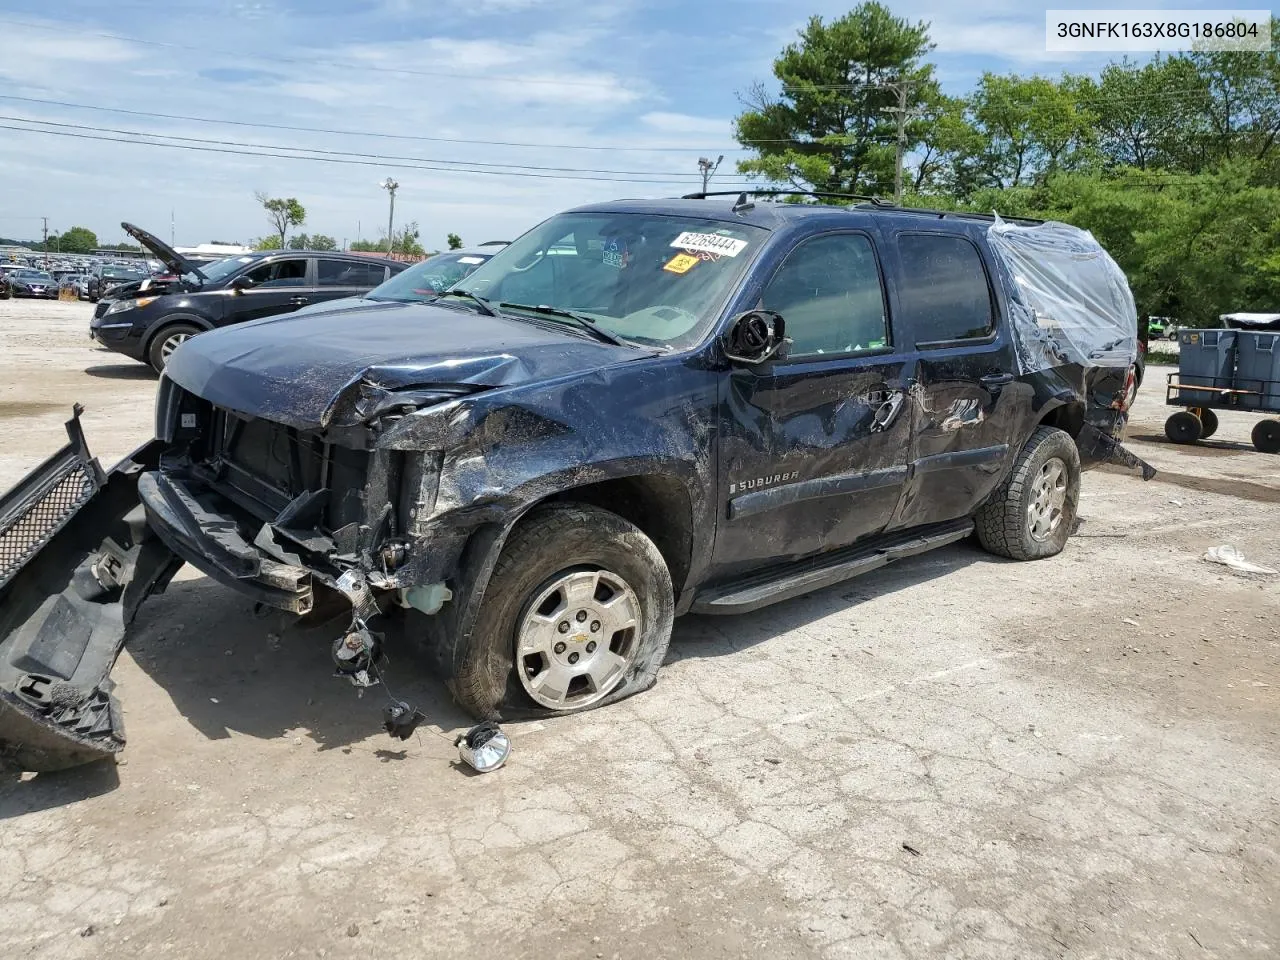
(755, 337)
(241, 283)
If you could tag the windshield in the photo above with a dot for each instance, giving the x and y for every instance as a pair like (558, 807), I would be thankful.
(220, 269)
(651, 278)
(123, 273)
(425, 280)
(36, 275)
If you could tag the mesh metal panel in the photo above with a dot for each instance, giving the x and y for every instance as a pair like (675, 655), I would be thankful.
(24, 532)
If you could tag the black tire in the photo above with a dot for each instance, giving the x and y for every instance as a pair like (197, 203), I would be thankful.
(1208, 422)
(1266, 436)
(551, 542)
(1183, 427)
(156, 352)
(1003, 524)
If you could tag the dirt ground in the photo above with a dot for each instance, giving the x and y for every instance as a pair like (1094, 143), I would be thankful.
(954, 757)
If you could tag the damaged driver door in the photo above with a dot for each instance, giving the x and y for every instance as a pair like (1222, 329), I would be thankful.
(814, 446)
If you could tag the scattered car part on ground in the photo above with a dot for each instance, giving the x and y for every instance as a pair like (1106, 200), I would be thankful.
(148, 319)
(484, 747)
(1233, 557)
(652, 407)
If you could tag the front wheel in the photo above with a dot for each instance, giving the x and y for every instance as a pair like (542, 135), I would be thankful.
(1266, 436)
(578, 613)
(168, 340)
(1032, 513)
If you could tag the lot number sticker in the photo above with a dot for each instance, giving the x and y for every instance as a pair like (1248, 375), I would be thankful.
(710, 243)
(681, 263)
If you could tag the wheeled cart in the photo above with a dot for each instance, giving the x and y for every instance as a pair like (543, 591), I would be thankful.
(1225, 370)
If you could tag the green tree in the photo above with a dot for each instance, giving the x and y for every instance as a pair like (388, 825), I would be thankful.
(1033, 126)
(320, 241)
(299, 241)
(829, 128)
(406, 240)
(282, 213)
(270, 242)
(455, 241)
(75, 240)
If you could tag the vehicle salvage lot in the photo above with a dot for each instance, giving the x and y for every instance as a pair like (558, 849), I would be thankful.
(955, 756)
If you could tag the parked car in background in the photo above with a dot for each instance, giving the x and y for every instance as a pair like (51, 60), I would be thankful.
(148, 319)
(33, 283)
(105, 276)
(420, 282)
(1162, 328)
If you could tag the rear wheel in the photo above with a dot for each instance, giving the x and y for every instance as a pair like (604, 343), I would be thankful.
(578, 613)
(168, 340)
(1183, 427)
(1032, 514)
(1266, 436)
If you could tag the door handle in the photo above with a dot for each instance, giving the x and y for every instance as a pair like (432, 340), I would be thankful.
(299, 301)
(888, 411)
(992, 382)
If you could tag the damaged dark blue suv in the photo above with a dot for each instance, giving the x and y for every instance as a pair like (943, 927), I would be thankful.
(636, 410)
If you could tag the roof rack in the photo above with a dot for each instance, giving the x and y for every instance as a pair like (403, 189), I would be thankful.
(819, 194)
(967, 215)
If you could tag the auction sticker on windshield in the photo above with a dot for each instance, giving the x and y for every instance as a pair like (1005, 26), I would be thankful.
(681, 263)
(710, 243)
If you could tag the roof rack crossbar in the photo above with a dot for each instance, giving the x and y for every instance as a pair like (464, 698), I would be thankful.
(819, 194)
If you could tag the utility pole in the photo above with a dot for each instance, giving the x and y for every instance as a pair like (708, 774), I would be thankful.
(46, 242)
(171, 226)
(901, 87)
(391, 187)
(708, 169)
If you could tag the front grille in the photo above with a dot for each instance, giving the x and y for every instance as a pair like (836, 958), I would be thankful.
(40, 506)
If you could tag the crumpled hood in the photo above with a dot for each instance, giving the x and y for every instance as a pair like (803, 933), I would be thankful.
(311, 371)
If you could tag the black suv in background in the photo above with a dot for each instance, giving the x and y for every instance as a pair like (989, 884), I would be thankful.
(149, 319)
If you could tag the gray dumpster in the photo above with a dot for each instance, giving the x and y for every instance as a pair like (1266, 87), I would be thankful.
(1206, 358)
(1258, 369)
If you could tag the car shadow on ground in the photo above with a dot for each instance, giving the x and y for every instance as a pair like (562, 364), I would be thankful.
(698, 636)
(121, 371)
(1202, 448)
(31, 793)
(227, 670)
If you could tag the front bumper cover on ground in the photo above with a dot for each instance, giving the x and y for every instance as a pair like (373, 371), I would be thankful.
(76, 562)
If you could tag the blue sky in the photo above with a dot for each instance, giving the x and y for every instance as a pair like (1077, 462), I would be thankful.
(653, 82)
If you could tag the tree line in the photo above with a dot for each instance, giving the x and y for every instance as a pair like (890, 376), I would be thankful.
(1173, 163)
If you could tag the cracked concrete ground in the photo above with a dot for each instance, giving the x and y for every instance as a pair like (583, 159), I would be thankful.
(953, 757)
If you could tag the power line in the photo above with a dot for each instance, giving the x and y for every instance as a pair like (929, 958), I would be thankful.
(354, 133)
(337, 153)
(339, 160)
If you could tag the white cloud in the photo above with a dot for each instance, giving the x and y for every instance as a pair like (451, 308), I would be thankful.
(682, 123)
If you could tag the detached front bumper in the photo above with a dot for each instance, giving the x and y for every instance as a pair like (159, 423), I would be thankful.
(195, 529)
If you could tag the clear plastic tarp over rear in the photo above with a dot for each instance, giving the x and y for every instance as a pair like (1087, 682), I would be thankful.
(1071, 302)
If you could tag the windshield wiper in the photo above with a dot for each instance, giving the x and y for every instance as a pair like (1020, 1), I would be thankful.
(485, 306)
(582, 320)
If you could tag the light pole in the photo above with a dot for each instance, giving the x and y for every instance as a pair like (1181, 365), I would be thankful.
(391, 187)
(708, 169)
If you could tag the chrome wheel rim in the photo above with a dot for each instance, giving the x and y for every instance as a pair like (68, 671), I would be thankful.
(172, 343)
(577, 639)
(1048, 504)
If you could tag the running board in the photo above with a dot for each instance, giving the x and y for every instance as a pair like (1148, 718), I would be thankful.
(823, 571)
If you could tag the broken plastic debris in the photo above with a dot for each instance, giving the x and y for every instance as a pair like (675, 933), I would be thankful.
(1233, 557)
(484, 747)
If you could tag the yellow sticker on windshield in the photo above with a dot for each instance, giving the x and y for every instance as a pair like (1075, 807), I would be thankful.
(681, 263)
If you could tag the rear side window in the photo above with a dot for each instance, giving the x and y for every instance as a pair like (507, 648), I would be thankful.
(344, 273)
(829, 294)
(280, 273)
(945, 295)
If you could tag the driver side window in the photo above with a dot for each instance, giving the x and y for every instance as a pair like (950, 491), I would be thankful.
(829, 292)
(280, 273)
